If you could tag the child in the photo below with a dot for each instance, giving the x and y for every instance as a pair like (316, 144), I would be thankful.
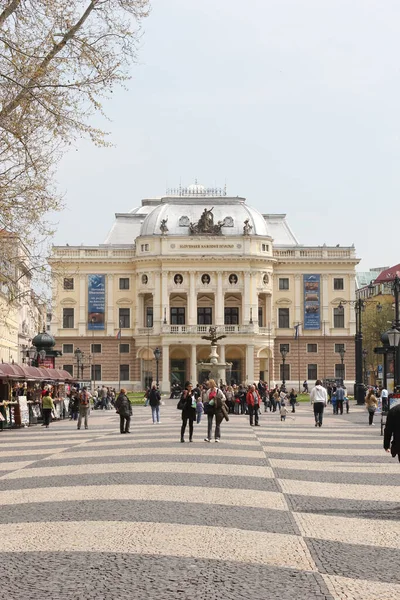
(283, 412)
(199, 409)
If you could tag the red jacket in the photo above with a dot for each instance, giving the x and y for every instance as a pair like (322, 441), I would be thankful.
(250, 398)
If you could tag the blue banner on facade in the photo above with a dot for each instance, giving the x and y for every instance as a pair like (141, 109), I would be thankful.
(312, 306)
(96, 301)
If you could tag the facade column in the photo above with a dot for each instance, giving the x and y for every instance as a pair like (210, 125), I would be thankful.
(110, 305)
(140, 316)
(246, 299)
(193, 367)
(165, 383)
(82, 326)
(157, 317)
(219, 301)
(192, 308)
(297, 299)
(250, 363)
(221, 353)
(325, 305)
(164, 296)
(254, 298)
(351, 296)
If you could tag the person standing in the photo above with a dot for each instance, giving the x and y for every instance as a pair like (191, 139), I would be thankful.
(217, 408)
(124, 409)
(189, 405)
(305, 387)
(293, 400)
(319, 399)
(83, 408)
(47, 408)
(199, 409)
(103, 395)
(391, 437)
(371, 402)
(253, 401)
(283, 411)
(155, 401)
(385, 399)
(339, 399)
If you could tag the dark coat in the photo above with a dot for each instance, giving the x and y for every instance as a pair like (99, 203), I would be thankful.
(392, 430)
(154, 397)
(188, 412)
(123, 406)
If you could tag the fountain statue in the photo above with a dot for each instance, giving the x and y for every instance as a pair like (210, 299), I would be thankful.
(216, 370)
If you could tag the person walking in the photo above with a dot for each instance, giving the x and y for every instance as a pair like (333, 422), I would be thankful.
(319, 399)
(391, 436)
(74, 411)
(340, 394)
(305, 387)
(371, 402)
(293, 400)
(253, 401)
(217, 408)
(155, 401)
(83, 408)
(189, 407)
(124, 409)
(103, 396)
(199, 409)
(47, 408)
(283, 411)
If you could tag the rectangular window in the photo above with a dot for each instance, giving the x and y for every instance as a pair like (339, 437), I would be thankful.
(124, 372)
(312, 348)
(339, 347)
(260, 317)
(338, 318)
(149, 316)
(340, 371)
(96, 372)
(124, 283)
(283, 318)
(144, 247)
(338, 283)
(284, 373)
(177, 315)
(69, 369)
(265, 248)
(312, 372)
(68, 283)
(124, 318)
(284, 347)
(231, 316)
(283, 283)
(124, 348)
(68, 318)
(204, 315)
(95, 349)
(68, 349)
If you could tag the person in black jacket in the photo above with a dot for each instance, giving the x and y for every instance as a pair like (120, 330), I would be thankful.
(188, 404)
(392, 432)
(155, 401)
(124, 409)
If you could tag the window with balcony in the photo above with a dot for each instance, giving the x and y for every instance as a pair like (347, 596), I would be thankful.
(177, 315)
(68, 318)
(124, 317)
(283, 283)
(124, 283)
(124, 372)
(231, 315)
(260, 317)
(283, 318)
(68, 349)
(312, 371)
(204, 315)
(312, 347)
(149, 316)
(338, 318)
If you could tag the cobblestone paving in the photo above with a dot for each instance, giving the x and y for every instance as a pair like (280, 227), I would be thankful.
(283, 511)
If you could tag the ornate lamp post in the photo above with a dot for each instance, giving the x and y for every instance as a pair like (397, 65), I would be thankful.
(283, 354)
(79, 361)
(394, 340)
(32, 354)
(365, 354)
(157, 356)
(342, 352)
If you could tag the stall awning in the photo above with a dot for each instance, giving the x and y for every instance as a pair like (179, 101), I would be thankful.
(13, 371)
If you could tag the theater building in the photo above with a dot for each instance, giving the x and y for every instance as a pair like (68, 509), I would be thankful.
(195, 258)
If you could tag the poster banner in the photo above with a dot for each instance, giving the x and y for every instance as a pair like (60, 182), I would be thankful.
(24, 409)
(47, 363)
(96, 301)
(312, 302)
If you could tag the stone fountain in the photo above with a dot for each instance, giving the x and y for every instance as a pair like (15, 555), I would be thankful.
(216, 370)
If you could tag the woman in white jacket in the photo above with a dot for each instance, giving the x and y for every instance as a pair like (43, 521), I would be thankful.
(319, 399)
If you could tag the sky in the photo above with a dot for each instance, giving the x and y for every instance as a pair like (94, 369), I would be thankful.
(294, 104)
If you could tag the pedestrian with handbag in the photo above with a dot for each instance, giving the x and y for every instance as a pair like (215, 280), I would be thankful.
(47, 408)
(124, 409)
(371, 403)
(253, 401)
(215, 407)
(187, 405)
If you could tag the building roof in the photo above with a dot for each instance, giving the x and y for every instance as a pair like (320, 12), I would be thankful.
(388, 274)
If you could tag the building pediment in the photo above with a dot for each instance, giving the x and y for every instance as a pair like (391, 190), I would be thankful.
(284, 302)
(124, 301)
(68, 302)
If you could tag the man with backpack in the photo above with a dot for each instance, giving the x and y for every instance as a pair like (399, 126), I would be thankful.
(340, 394)
(83, 408)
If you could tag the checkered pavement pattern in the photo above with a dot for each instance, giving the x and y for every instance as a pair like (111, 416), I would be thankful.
(280, 511)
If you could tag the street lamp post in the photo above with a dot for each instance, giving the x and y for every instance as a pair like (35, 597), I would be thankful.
(32, 354)
(365, 354)
(342, 352)
(79, 361)
(394, 340)
(283, 354)
(157, 356)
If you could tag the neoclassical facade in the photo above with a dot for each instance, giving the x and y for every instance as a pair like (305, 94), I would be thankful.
(192, 259)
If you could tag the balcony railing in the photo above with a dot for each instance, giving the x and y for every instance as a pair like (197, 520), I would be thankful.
(200, 329)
